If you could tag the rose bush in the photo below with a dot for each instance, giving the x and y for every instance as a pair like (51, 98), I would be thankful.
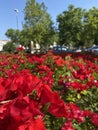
(49, 92)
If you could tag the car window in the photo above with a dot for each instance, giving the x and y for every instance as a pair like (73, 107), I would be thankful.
(95, 48)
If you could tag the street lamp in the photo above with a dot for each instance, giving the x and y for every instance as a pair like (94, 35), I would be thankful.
(16, 10)
(17, 35)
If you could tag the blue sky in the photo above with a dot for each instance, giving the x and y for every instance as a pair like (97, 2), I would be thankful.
(55, 7)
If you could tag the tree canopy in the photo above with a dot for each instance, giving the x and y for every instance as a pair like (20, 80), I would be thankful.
(76, 26)
(38, 22)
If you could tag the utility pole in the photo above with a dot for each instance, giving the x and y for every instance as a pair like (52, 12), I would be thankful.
(16, 10)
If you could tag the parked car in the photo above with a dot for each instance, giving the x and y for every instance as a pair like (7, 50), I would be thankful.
(77, 50)
(92, 49)
(59, 48)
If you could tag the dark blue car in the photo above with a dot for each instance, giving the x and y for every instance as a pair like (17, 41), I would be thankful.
(59, 49)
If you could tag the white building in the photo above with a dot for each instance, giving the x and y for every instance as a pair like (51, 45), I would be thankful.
(3, 42)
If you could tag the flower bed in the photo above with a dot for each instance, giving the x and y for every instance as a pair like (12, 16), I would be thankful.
(49, 92)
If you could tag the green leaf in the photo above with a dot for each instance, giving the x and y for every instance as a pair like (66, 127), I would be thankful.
(77, 127)
(46, 106)
(78, 96)
(84, 92)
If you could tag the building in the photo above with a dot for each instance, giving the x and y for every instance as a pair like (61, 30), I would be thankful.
(2, 43)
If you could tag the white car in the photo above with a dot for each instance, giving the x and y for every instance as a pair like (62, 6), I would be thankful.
(77, 50)
(93, 49)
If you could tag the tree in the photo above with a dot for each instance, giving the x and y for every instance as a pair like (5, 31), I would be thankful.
(78, 27)
(70, 25)
(14, 35)
(91, 27)
(9, 47)
(37, 27)
(38, 23)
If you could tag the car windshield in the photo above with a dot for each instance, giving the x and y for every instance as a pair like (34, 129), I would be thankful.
(96, 47)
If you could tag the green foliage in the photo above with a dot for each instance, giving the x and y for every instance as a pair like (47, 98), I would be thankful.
(9, 47)
(91, 26)
(38, 23)
(53, 123)
(76, 26)
(14, 35)
(74, 23)
(37, 27)
(70, 25)
(84, 126)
